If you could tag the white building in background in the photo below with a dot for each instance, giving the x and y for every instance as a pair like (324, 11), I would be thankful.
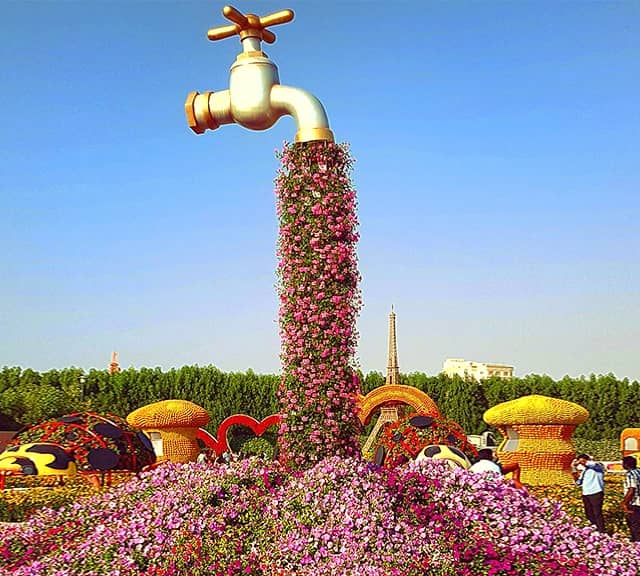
(478, 370)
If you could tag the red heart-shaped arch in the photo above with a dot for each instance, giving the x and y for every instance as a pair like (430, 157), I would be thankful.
(219, 443)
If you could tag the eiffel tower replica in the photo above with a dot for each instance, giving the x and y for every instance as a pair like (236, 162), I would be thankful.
(113, 365)
(387, 413)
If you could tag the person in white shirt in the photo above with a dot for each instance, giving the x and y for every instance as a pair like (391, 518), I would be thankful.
(589, 475)
(485, 462)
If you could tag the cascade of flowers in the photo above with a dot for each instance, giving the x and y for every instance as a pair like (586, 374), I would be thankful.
(319, 302)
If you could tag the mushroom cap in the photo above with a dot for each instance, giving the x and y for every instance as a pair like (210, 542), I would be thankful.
(169, 414)
(536, 409)
(629, 433)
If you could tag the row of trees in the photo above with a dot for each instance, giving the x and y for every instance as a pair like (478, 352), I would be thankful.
(30, 397)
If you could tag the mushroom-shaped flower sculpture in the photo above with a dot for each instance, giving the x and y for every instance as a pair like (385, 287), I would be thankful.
(177, 422)
(629, 441)
(537, 434)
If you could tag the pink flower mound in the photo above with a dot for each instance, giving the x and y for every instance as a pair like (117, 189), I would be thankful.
(319, 302)
(340, 517)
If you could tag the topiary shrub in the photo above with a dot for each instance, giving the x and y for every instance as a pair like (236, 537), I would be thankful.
(258, 446)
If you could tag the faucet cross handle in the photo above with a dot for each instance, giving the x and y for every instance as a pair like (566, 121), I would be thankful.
(249, 25)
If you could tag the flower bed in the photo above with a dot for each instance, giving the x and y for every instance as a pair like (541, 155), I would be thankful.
(570, 498)
(25, 495)
(342, 516)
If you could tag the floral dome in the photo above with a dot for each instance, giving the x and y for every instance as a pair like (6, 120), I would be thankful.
(169, 414)
(403, 440)
(536, 409)
(95, 442)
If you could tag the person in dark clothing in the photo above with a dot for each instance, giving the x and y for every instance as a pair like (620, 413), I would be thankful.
(631, 500)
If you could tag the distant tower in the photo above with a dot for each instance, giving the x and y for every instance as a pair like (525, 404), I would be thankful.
(388, 413)
(113, 365)
(393, 371)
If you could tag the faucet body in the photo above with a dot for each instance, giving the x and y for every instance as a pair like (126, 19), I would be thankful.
(255, 98)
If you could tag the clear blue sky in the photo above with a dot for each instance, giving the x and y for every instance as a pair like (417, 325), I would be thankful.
(497, 149)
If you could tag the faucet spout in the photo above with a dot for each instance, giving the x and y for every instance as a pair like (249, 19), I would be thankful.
(307, 111)
(255, 98)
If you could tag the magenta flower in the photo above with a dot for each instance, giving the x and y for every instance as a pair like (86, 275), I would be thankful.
(319, 302)
(341, 516)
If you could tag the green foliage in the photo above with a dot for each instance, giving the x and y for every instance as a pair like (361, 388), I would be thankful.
(606, 450)
(460, 403)
(258, 446)
(371, 381)
(30, 397)
(18, 503)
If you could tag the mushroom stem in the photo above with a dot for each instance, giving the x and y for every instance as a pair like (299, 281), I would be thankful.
(179, 444)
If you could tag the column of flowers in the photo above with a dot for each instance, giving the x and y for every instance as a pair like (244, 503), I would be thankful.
(319, 302)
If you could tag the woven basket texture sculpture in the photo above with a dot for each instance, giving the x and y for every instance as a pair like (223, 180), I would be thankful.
(537, 434)
(177, 421)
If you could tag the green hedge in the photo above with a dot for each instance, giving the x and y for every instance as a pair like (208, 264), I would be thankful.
(31, 397)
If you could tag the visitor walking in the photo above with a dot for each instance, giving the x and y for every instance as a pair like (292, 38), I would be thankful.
(589, 475)
(631, 500)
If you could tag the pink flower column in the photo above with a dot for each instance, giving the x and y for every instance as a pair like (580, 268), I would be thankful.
(319, 302)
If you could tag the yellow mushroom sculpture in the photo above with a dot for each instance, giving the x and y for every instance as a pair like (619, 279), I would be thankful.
(630, 441)
(176, 422)
(537, 434)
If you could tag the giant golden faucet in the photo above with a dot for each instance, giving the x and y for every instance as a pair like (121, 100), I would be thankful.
(255, 98)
